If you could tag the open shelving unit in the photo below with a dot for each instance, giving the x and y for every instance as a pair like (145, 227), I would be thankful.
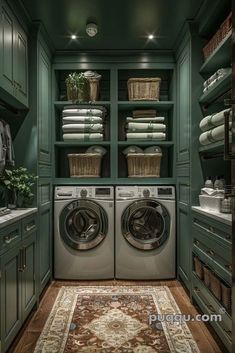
(114, 97)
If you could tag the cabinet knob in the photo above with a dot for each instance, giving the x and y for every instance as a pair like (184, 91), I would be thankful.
(210, 252)
(29, 227)
(9, 238)
(229, 267)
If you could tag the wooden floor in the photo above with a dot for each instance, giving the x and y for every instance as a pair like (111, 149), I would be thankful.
(203, 335)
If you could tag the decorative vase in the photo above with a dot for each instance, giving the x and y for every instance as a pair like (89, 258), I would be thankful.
(11, 198)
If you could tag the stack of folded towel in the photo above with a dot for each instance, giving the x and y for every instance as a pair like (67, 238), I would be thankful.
(83, 123)
(145, 125)
(217, 76)
(212, 127)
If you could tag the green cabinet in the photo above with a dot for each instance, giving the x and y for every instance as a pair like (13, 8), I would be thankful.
(13, 59)
(17, 277)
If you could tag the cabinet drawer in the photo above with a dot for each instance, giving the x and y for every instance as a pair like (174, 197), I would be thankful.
(29, 225)
(220, 232)
(9, 236)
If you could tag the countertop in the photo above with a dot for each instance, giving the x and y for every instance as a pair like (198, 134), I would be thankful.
(218, 216)
(16, 215)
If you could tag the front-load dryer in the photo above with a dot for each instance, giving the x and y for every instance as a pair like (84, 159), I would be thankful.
(84, 232)
(145, 232)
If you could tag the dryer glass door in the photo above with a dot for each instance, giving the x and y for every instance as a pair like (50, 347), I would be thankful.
(146, 224)
(83, 224)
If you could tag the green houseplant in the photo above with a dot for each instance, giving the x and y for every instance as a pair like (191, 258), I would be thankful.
(78, 87)
(18, 184)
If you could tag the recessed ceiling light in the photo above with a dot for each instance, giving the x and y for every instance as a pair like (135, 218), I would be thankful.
(150, 36)
(73, 36)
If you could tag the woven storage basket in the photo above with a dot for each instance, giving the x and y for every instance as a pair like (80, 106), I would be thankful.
(226, 296)
(215, 286)
(206, 276)
(94, 89)
(141, 89)
(198, 267)
(85, 165)
(226, 26)
(144, 165)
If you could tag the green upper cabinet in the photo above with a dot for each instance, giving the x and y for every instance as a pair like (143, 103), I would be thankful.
(183, 105)
(44, 105)
(13, 59)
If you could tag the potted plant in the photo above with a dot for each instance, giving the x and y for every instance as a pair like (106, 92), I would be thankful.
(78, 87)
(18, 183)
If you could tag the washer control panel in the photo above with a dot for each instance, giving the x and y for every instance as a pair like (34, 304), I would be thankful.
(136, 192)
(83, 192)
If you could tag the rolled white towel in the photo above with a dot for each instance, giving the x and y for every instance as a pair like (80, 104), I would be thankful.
(82, 128)
(146, 127)
(156, 119)
(82, 112)
(213, 135)
(81, 119)
(83, 137)
(213, 120)
(146, 136)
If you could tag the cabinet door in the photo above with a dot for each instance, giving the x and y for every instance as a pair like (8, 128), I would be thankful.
(183, 106)
(6, 49)
(44, 106)
(21, 64)
(10, 296)
(28, 275)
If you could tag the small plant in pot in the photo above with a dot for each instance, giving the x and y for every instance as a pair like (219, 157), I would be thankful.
(78, 87)
(18, 184)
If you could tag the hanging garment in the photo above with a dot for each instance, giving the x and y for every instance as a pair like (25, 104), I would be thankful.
(7, 156)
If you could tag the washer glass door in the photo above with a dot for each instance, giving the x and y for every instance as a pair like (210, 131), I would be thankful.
(83, 224)
(146, 224)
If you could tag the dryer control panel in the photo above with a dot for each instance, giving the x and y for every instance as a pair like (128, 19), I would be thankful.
(83, 192)
(137, 192)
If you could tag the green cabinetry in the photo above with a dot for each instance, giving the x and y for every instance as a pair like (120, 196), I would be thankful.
(17, 277)
(13, 59)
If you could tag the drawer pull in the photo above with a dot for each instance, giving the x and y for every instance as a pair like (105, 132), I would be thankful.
(29, 227)
(196, 289)
(229, 267)
(9, 238)
(210, 252)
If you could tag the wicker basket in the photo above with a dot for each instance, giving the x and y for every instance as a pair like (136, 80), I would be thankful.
(94, 89)
(142, 165)
(198, 267)
(215, 286)
(206, 276)
(85, 165)
(141, 89)
(226, 26)
(226, 296)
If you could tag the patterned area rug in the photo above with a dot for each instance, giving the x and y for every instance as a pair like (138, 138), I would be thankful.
(114, 320)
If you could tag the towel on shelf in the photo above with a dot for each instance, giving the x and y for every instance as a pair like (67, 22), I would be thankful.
(144, 113)
(217, 76)
(213, 120)
(83, 137)
(81, 119)
(156, 119)
(82, 128)
(145, 127)
(213, 135)
(82, 112)
(146, 136)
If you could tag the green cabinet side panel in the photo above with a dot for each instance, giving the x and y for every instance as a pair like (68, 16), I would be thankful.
(45, 247)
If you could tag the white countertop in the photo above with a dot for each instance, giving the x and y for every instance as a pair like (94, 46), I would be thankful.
(225, 218)
(16, 215)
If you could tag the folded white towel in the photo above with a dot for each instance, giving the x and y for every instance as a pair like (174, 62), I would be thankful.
(213, 120)
(146, 135)
(213, 135)
(83, 137)
(156, 119)
(146, 127)
(82, 112)
(81, 119)
(82, 128)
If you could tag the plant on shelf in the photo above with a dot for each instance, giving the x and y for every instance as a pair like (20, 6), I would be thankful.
(78, 87)
(18, 184)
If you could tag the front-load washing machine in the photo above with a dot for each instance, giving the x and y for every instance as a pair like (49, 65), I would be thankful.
(84, 232)
(145, 232)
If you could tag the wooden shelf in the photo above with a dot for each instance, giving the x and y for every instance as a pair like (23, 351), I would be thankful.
(80, 143)
(147, 181)
(61, 104)
(83, 181)
(159, 105)
(215, 147)
(146, 143)
(219, 88)
(111, 181)
(221, 57)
